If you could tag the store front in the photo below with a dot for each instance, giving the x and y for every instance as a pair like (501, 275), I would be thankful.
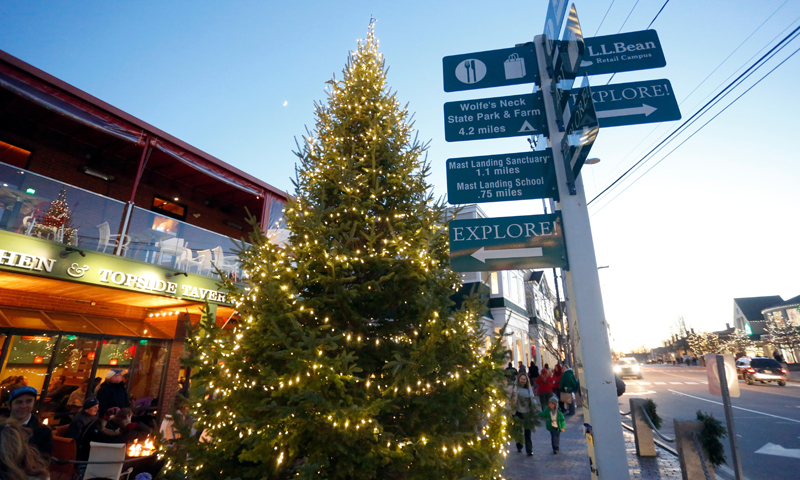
(78, 313)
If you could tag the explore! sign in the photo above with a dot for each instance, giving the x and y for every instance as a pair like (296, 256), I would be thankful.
(23, 254)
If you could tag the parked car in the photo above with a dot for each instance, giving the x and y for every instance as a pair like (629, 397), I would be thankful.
(628, 367)
(761, 369)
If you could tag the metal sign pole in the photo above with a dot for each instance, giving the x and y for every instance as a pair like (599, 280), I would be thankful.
(726, 401)
(600, 405)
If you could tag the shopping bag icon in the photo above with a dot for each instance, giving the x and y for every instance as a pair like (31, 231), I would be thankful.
(515, 67)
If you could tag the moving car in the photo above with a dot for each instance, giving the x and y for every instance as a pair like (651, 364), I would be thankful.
(761, 369)
(628, 367)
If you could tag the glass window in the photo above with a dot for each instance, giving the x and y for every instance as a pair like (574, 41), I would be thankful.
(27, 319)
(70, 322)
(494, 283)
(29, 357)
(169, 208)
(71, 373)
(149, 362)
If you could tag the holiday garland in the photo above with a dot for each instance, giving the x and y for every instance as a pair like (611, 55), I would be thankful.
(650, 410)
(710, 436)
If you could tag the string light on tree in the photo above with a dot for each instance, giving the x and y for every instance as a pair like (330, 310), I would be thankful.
(350, 361)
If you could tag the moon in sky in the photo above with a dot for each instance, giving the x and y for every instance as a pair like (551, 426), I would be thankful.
(285, 102)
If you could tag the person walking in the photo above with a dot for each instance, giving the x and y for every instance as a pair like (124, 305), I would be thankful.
(544, 384)
(522, 401)
(555, 422)
(533, 371)
(511, 373)
(568, 385)
(22, 401)
(18, 459)
(521, 368)
(557, 385)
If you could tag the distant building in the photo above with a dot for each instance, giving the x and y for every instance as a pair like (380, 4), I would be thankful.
(751, 314)
(541, 304)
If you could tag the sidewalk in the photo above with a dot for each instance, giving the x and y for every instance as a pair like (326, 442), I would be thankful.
(572, 461)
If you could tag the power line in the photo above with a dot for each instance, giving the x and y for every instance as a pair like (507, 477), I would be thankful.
(604, 17)
(657, 14)
(626, 21)
(697, 131)
(699, 112)
(712, 72)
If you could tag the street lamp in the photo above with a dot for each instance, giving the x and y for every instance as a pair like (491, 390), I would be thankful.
(592, 161)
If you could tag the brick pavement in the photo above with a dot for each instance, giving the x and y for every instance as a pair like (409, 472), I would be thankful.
(572, 461)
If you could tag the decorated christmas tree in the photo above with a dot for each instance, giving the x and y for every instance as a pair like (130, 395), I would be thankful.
(57, 216)
(782, 334)
(350, 360)
(739, 342)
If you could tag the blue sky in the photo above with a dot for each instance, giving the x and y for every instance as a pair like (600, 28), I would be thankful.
(717, 219)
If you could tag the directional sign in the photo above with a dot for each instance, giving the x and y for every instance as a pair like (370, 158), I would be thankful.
(512, 116)
(624, 52)
(634, 103)
(580, 134)
(552, 27)
(495, 68)
(499, 178)
(507, 243)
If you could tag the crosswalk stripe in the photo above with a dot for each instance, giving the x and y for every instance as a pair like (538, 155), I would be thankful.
(660, 383)
(690, 383)
(643, 383)
(676, 383)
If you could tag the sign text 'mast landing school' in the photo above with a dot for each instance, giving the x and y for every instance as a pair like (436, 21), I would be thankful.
(512, 116)
(503, 177)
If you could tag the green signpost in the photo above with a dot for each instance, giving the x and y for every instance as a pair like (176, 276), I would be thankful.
(623, 52)
(635, 103)
(512, 116)
(507, 243)
(499, 178)
(494, 68)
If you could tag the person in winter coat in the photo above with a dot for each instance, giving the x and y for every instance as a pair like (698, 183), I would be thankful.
(511, 373)
(557, 371)
(533, 371)
(523, 402)
(569, 384)
(554, 421)
(112, 393)
(544, 384)
(22, 402)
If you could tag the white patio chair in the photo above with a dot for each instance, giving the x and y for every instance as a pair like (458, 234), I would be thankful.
(106, 239)
(225, 263)
(105, 452)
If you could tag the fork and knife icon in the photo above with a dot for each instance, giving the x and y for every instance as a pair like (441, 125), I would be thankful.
(469, 65)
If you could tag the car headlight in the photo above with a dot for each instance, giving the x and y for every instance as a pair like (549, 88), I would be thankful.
(617, 368)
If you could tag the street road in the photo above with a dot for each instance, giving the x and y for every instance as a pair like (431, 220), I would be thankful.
(764, 414)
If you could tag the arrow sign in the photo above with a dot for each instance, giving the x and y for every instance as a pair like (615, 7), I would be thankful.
(777, 450)
(507, 243)
(624, 52)
(482, 254)
(633, 103)
(494, 68)
(645, 110)
(498, 117)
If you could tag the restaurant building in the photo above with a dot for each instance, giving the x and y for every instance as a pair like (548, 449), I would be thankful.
(111, 236)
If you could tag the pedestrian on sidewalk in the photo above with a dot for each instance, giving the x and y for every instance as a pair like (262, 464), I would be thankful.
(511, 373)
(533, 371)
(557, 371)
(544, 384)
(521, 368)
(568, 385)
(524, 404)
(555, 422)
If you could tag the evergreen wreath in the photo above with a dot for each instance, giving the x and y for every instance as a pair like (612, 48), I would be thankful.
(650, 410)
(710, 437)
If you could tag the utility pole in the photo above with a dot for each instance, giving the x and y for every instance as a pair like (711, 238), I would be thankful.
(598, 388)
